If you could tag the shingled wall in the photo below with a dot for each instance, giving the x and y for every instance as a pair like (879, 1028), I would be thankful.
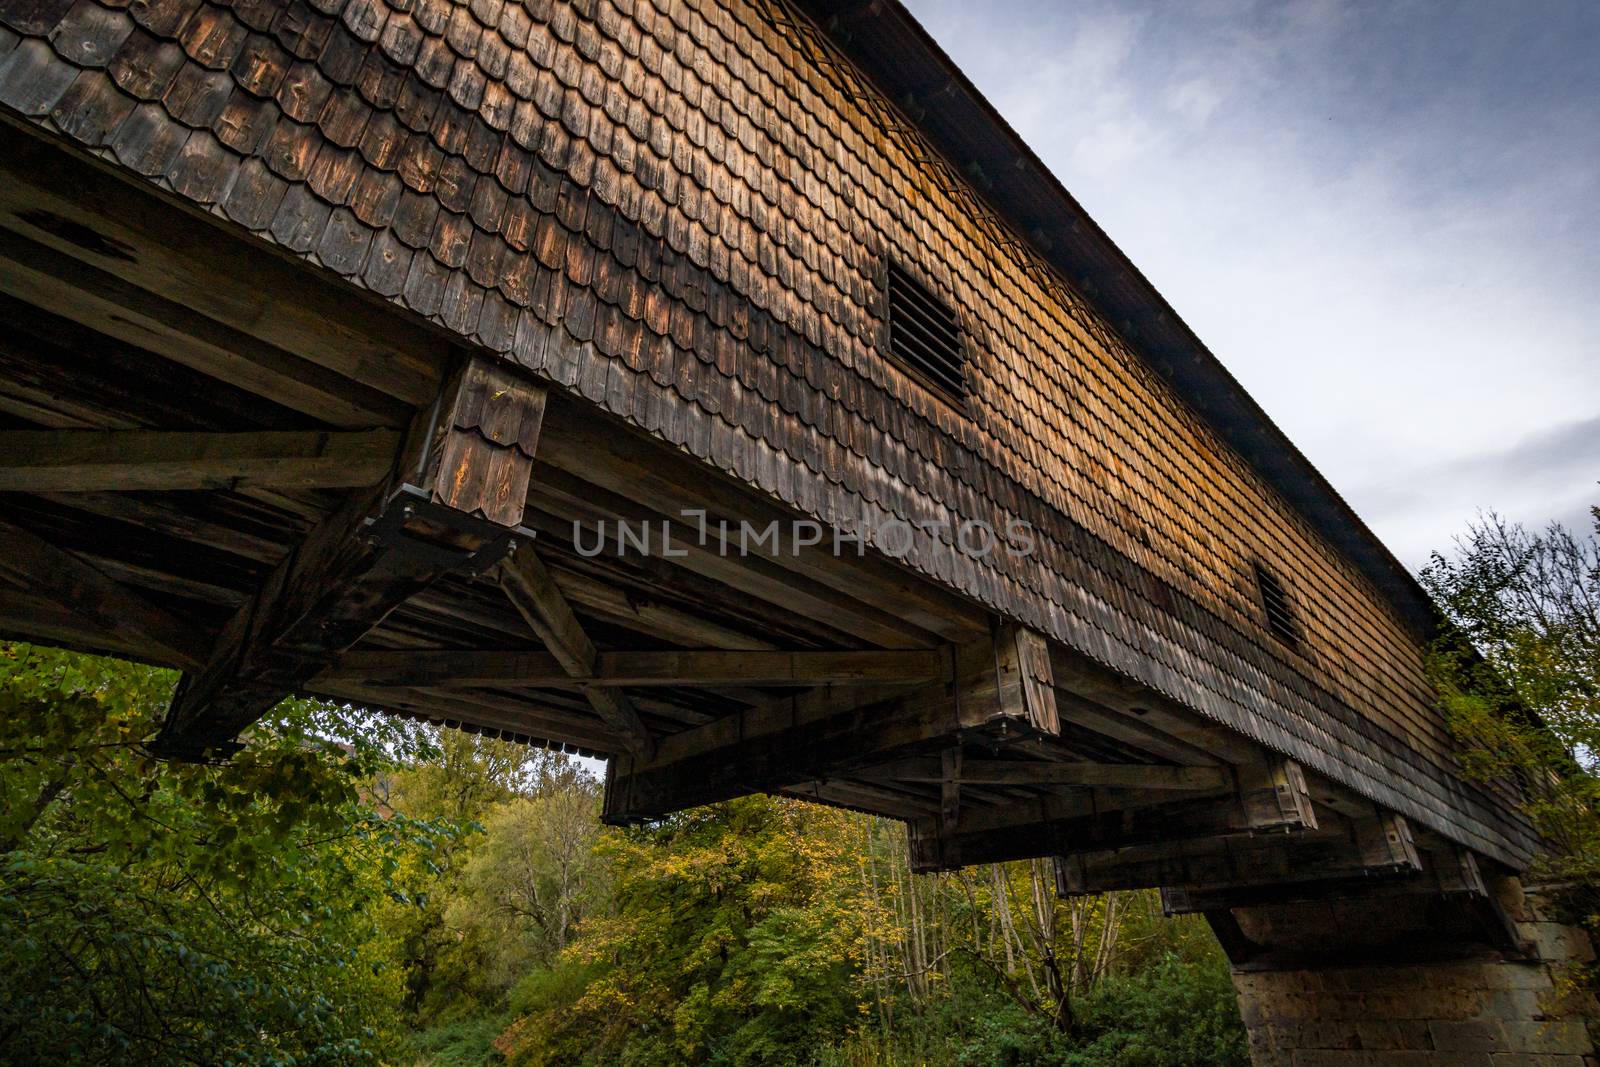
(670, 207)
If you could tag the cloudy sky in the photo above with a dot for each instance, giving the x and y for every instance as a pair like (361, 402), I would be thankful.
(1383, 217)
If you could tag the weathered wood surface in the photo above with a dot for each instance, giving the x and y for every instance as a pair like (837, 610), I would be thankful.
(369, 556)
(824, 733)
(672, 209)
(1065, 826)
(1375, 847)
(486, 441)
(533, 592)
(79, 589)
(667, 668)
(81, 461)
(1046, 772)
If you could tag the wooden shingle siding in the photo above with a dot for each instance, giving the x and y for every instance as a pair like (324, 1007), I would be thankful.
(670, 208)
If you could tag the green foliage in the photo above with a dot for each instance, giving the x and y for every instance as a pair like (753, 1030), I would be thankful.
(508, 887)
(469, 1043)
(1174, 1013)
(171, 913)
(1519, 678)
(757, 932)
(733, 951)
(351, 890)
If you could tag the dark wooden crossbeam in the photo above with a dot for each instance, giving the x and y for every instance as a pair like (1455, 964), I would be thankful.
(130, 622)
(1379, 845)
(87, 461)
(1053, 773)
(1268, 798)
(989, 689)
(454, 494)
(701, 667)
(533, 592)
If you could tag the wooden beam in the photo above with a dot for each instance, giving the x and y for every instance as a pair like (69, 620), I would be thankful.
(1050, 773)
(532, 718)
(625, 462)
(531, 590)
(128, 619)
(1338, 853)
(1265, 800)
(650, 615)
(756, 576)
(826, 733)
(1120, 707)
(87, 461)
(177, 250)
(51, 279)
(374, 552)
(706, 667)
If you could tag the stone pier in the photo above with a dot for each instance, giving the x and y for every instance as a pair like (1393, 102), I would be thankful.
(1412, 980)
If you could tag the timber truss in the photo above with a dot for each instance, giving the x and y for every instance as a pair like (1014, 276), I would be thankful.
(214, 459)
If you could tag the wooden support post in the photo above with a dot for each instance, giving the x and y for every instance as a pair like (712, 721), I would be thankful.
(828, 733)
(1384, 842)
(950, 786)
(87, 461)
(1022, 664)
(452, 502)
(1275, 797)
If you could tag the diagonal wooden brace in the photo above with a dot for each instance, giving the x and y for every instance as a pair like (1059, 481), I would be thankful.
(452, 503)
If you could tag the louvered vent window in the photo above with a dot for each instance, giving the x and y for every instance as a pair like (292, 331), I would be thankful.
(1275, 601)
(925, 335)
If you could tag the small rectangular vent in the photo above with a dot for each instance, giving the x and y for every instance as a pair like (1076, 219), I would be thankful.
(925, 335)
(1275, 601)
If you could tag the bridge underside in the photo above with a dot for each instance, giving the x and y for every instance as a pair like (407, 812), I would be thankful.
(214, 459)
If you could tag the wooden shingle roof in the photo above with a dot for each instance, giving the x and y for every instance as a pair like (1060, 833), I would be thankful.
(675, 209)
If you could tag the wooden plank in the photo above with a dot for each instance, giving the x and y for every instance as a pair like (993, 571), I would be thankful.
(857, 796)
(1049, 773)
(1151, 714)
(29, 617)
(525, 716)
(129, 620)
(620, 460)
(713, 667)
(535, 595)
(1130, 729)
(649, 615)
(817, 734)
(1233, 863)
(1009, 835)
(86, 461)
(753, 575)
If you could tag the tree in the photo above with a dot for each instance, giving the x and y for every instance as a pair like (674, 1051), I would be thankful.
(532, 876)
(1518, 677)
(728, 942)
(183, 913)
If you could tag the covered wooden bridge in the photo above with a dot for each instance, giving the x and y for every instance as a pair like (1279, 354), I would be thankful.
(722, 387)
